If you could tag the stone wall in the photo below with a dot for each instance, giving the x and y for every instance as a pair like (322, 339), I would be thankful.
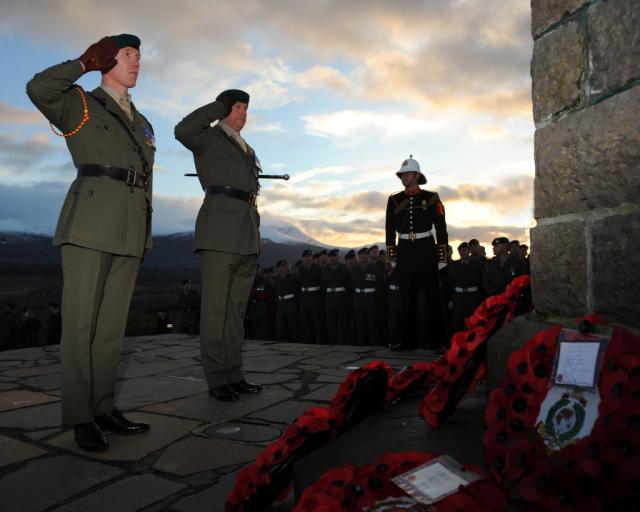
(585, 249)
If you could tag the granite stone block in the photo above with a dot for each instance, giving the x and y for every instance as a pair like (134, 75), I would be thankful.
(12, 451)
(616, 268)
(559, 269)
(33, 418)
(57, 479)
(197, 454)
(18, 398)
(614, 44)
(589, 159)
(556, 70)
(545, 13)
(128, 495)
(209, 498)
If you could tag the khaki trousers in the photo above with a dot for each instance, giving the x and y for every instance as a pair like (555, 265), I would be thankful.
(95, 302)
(226, 285)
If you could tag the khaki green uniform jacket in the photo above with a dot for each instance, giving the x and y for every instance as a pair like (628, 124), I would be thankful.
(224, 223)
(98, 213)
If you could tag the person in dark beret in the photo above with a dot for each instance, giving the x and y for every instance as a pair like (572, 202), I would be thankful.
(227, 237)
(287, 289)
(311, 299)
(501, 269)
(104, 227)
(336, 283)
(465, 275)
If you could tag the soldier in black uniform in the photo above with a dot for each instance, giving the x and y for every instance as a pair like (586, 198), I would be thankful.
(475, 250)
(189, 308)
(336, 283)
(412, 214)
(262, 294)
(10, 328)
(395, 317)
(368, 286)
(501, 269)
(446, 297)
(466, 284)
(164, 323)
(29, 329)
(524, 254)
(287, 289)
(269, 275)
(350, 259)
(324, 257)
(54, 325)
(311, 299)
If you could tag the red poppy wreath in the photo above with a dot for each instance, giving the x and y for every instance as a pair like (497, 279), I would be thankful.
(460, 369)
(353, 488)
(600, 471)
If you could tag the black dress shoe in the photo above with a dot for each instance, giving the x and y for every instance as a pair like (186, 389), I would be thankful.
(225, 393)
(246, 387)
(396, 347)
(116, 422)
(90, 437)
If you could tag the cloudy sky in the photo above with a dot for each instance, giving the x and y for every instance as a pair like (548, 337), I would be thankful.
(341, 93)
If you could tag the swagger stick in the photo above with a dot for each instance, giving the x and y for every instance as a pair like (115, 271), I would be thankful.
(261, 176)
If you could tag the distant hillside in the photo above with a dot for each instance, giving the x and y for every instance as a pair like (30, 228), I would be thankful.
(169, 251)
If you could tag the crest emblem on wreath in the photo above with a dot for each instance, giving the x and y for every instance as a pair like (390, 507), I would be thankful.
(564, 421)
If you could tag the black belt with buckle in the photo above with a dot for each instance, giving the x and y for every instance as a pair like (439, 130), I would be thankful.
(129, 176)
(249, 197)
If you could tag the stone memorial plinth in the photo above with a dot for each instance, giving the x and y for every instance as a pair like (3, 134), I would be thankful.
(585, 69)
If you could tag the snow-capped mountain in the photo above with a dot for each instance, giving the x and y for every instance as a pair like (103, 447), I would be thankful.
(285, 233)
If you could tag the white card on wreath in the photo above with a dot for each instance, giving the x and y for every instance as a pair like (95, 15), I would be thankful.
(434, 480)
(577, 363)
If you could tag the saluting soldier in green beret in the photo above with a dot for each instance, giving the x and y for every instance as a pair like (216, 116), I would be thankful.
(226, 237)
(104, 227)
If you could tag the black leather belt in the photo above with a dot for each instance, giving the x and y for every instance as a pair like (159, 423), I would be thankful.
(249, 197)
(130, 177)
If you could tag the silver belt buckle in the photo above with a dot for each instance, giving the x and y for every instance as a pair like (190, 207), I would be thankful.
(131, 177)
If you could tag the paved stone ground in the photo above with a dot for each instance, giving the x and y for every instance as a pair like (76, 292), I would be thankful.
(173, 467)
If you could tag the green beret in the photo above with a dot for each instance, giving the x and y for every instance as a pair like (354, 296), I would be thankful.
(236, 94)
(126, 40)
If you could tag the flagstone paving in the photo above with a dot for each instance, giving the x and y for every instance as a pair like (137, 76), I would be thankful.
(173, 467)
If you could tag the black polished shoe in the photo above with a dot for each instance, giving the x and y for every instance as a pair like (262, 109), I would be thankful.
(246, 387)
(116, 422)
(396, 347)
(89, 437)
(224, 393)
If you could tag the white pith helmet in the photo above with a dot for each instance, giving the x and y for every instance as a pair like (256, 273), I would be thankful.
(411, 165)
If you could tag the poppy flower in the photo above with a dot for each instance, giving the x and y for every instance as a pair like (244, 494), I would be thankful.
(412, 379)
(486, 492)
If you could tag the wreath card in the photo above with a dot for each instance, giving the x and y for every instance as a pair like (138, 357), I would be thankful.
(435, 480)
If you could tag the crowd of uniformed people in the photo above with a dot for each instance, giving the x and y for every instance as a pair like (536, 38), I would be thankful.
(356, 299)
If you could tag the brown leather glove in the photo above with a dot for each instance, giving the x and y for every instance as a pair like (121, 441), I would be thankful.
(100, 56)
(228, 100)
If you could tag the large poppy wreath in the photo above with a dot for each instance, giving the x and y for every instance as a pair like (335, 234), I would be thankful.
(464, 364)
(598, 472)
(351, 488)
(257, 485)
